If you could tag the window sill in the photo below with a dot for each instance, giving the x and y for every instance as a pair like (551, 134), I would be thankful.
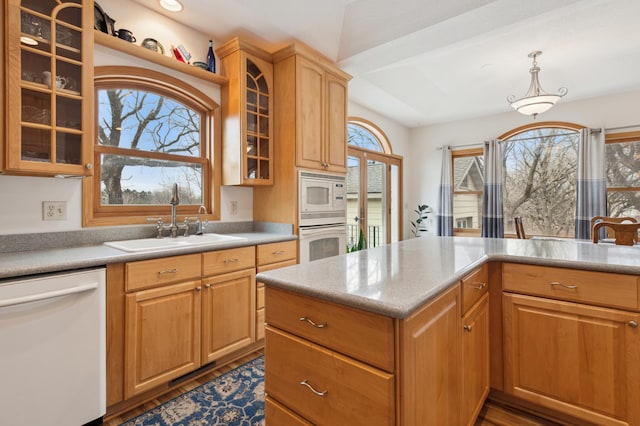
(146, 54)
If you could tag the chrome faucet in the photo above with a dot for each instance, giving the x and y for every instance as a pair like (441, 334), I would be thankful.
(200, 226)
(173, 227)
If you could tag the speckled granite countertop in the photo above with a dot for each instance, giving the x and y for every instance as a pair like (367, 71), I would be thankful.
(396, 279)
(93, 254)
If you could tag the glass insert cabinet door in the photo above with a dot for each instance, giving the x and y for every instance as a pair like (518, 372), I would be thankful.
(49, 72)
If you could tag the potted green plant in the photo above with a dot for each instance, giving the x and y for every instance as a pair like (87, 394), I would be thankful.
(417, 225)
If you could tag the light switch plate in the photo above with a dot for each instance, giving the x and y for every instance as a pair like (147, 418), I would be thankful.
(54, 210)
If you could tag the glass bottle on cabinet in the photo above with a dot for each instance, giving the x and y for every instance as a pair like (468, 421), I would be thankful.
(49, 67)
(247, 114)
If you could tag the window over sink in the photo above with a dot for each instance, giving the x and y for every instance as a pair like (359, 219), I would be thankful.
(152, 131)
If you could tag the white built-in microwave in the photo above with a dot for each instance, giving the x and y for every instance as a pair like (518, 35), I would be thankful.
(322, 198)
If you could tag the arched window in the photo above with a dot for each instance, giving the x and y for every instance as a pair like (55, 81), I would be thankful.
(540, 171)
(374, 177)
(152, 131)
(364, 134)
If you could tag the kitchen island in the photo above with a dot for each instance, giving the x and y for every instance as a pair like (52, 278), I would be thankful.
(410, 333)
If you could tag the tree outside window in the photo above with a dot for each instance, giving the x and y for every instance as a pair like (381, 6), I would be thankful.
(540, 168)
(623, 174)
(152, 131)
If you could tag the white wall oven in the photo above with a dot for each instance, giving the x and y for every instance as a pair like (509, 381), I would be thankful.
(322, 215)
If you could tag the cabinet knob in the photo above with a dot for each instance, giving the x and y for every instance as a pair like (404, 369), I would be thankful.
(199, 288)
(88, 166)
(207, 285)
(633, 324)
(468, 327)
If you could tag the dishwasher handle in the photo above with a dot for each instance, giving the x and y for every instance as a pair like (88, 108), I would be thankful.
(48, 295)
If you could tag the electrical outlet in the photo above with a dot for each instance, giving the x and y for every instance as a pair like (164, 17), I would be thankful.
(233, 206)
(54, 210)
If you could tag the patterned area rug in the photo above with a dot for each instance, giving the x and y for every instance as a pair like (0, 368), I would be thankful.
(234, 399)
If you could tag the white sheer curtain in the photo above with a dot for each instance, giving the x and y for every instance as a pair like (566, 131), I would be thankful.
(492, 201)
(445, 217)
(591, 185)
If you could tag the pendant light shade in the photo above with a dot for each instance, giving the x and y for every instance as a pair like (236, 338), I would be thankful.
(536, 100)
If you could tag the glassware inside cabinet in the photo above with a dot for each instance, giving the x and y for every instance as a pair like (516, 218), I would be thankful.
(252, 145)
(36, 144)
(68, 113)
(68, 148)
(36, 107)
(69, 78)
(35, 30)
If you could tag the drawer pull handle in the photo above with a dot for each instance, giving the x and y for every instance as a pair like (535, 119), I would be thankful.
(278, 253)
(304, 382)
(468, 328)
(633, 324)
(310, 321)
(480, 286)
(230, 260)
(168, 271)
(572, 287)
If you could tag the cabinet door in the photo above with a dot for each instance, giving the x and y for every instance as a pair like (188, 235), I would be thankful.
(336, 124)
(430, 364)
(475, 360)
(578, 359)
(310, 95)
(49, 84)
(162, 335)
(228, 313)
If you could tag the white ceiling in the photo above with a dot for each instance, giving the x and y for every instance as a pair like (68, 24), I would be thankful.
(421, 62)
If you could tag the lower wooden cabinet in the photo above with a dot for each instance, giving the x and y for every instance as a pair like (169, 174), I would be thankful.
(162, 335)
(578, 359)
(475, 360)
(228, 313)
(430, 363)
(174, 327)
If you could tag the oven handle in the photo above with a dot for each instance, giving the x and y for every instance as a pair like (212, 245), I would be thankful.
(306, 232)
(48, 295)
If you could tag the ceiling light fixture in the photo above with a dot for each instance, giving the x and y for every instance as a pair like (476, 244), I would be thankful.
(171, 5)
(536, 100)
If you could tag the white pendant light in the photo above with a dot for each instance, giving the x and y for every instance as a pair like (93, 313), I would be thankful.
(536, 100)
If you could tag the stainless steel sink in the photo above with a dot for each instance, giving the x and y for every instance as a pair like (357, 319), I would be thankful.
(157, 244)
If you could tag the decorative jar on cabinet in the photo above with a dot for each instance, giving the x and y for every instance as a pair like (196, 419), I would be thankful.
(49, 68)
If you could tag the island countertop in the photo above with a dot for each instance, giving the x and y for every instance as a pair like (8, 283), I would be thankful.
(396, 279)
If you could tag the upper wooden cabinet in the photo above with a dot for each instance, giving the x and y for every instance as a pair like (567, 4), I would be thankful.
(312, 108)
(247, 114)
(49, 73)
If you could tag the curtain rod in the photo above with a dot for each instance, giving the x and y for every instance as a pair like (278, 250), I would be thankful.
(615, 128)
(469, 145)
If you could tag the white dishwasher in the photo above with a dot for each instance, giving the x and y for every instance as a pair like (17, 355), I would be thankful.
(53, 349)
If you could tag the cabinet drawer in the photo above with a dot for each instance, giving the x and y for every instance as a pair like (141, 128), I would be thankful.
(599, 288)
(362, 335)
(272, 266)
(354, 393)
(474, 286)
(155, 272)
(276, 252)
(276, 414)
(223, 261)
